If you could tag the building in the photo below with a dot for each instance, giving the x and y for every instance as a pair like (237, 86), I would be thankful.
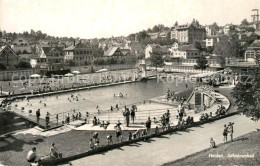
(253, 51)
(80, 54)
(229, 28)
(211, 30)
(156, 35)
(184, 51)
(211, 41)
(21, 45)
(188, 33)
(51, 58)
(188, 65)
(117, 52)
(150, 48)
(8, 57)
(135, 47)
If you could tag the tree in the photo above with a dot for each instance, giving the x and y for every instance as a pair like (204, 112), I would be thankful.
(141, 36)
(2, 66)
(72, 63)
(197, 45)
(131, 37)
(176, 23)
(25, 52)
(149, 30)
(209, 49)
(202, 63)
(244, 22)
(155, 29)
(247, 93)
(228, 47)
(32, 32)
(215, 25)
(23, 65)
(250, 29)
(156, 59)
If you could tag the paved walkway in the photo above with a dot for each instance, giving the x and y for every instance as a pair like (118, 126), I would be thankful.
(170, 147)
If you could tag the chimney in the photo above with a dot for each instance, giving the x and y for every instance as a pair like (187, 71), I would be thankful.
(74, 43)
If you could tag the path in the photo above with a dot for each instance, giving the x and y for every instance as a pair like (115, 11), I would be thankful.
(170, 147)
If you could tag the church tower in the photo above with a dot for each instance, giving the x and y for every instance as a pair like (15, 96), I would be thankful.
(255, 15)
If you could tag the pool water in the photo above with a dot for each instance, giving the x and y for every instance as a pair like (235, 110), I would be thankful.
(88, 100)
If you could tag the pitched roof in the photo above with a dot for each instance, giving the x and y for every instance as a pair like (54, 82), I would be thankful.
(187, 48)
(154, 45)
(257, 33)
(77, 46)
(256, 43)
(125, 51)
(111, 51)
(7, 47)
(47, 50)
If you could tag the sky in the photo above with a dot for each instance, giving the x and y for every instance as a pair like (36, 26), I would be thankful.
(105, 18)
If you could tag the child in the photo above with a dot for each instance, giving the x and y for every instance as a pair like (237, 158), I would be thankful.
(91, 144)
(212, 143)
(109, 140)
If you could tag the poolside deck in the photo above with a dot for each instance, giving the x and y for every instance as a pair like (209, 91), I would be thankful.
(32, 118)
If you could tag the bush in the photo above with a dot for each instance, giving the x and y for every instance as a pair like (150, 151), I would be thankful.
(23, 65)
(2, 66)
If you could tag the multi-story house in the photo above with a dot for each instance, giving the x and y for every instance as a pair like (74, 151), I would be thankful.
(150, 48)
(21, 45)
(253, 51)
(80, 54)
(50, 58)
(229, 28)
(211, 30)
(188, 33)
(184, 51)
(8, 57)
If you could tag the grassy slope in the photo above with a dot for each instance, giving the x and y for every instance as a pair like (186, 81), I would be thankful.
(247, 144)
(69, 143)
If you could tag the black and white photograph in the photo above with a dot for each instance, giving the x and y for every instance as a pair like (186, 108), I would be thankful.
(129, 83)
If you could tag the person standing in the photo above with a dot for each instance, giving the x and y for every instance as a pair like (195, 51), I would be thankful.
(231, 130)
(225, 132)
(118, 132)
(127, 116)
(167, 117)
(38, 114)
(148, 125)
(133, 115)
(47, 119)
(57, 118)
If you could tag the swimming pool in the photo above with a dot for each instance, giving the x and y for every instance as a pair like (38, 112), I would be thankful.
(88, 100)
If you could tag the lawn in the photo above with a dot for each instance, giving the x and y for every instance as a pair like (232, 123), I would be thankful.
(70, 143)
(247, 144)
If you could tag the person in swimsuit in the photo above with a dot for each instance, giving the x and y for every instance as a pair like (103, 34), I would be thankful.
(225, 132)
